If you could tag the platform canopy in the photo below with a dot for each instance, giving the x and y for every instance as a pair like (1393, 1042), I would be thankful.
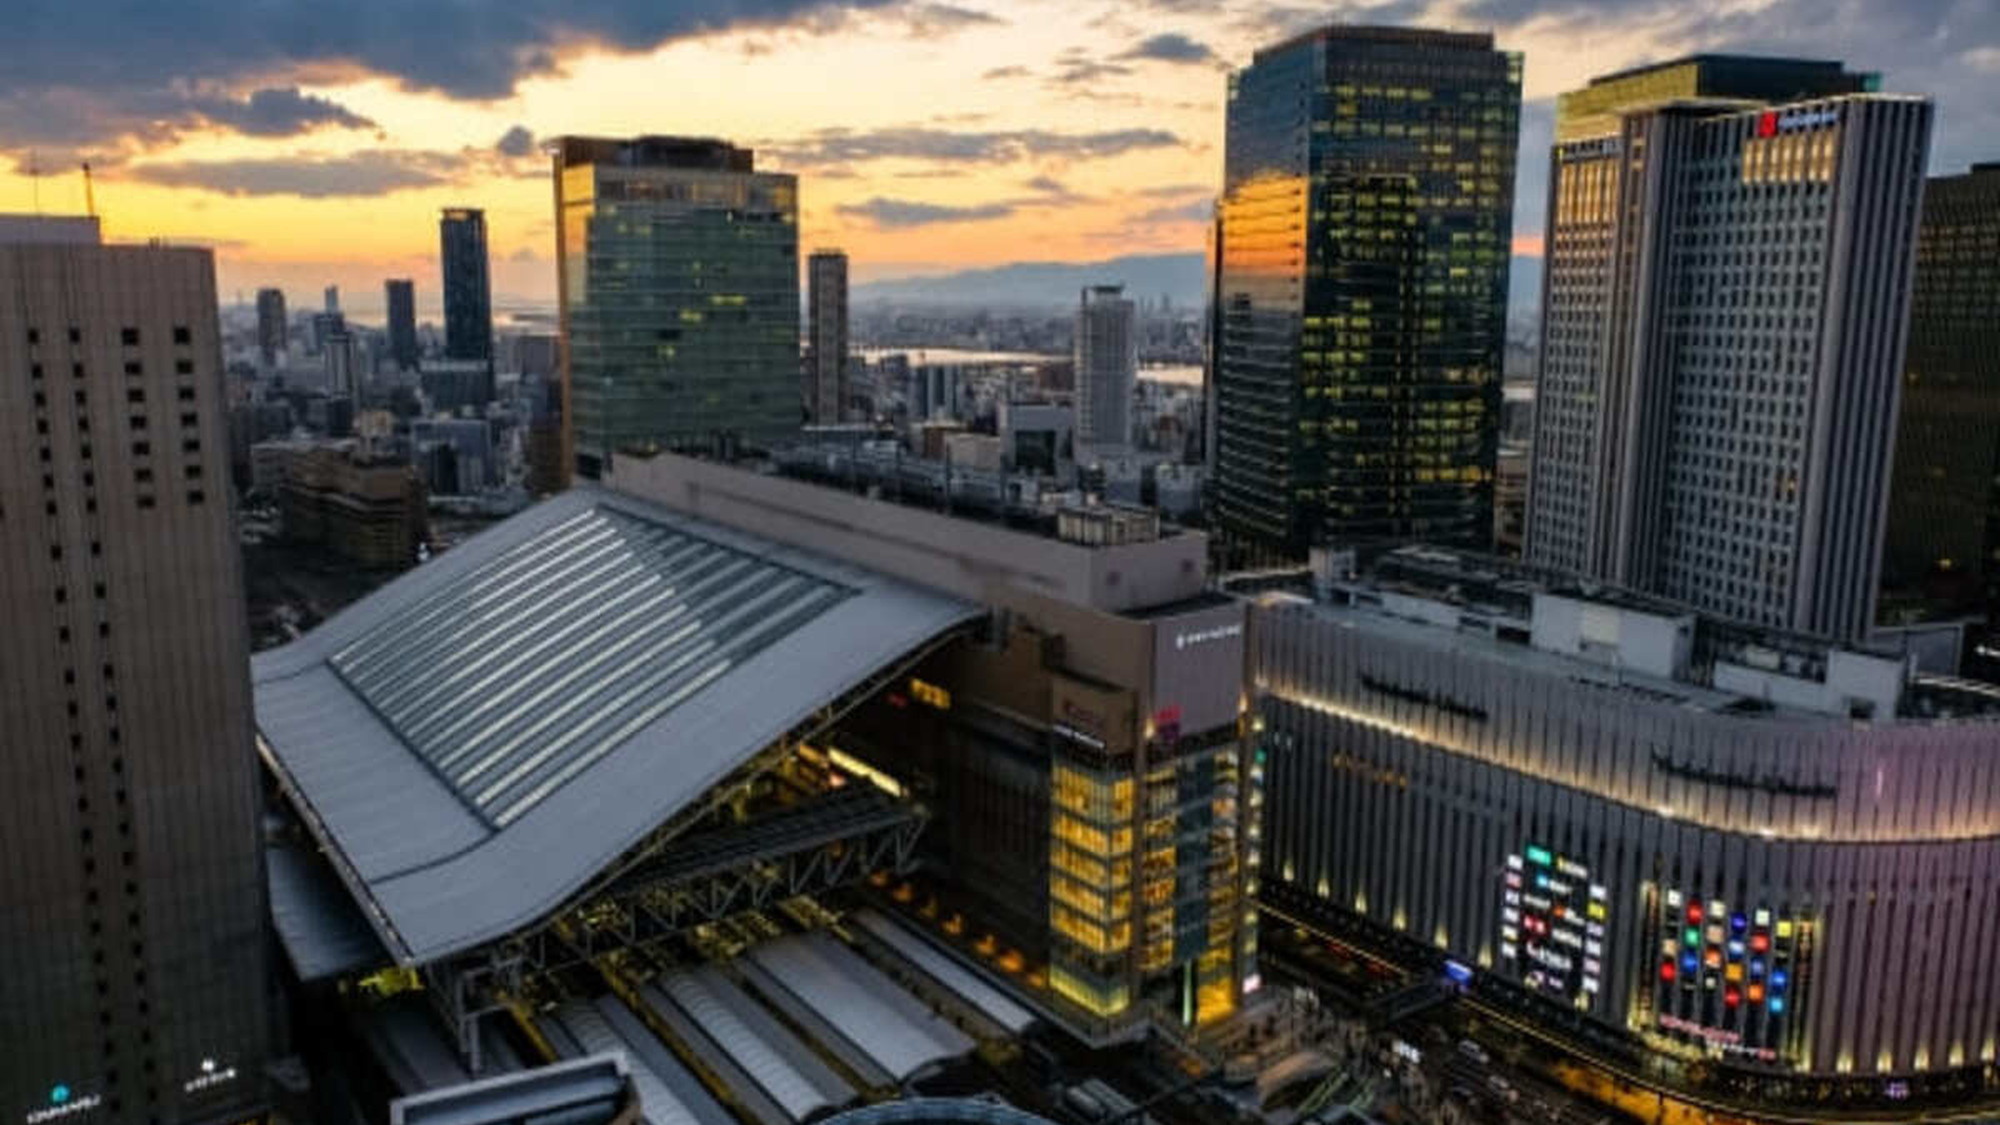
(474, 742)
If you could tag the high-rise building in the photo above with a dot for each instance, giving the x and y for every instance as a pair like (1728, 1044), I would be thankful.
(1943, 541)
(826, 345)
(332, 297)
(680, 296)
(1361, 303)
(132, 942)
(468, 286)
(343, 365)
(272, 329)
(402, 296)
(1107, 365)
(326, 325)
(1722, 336)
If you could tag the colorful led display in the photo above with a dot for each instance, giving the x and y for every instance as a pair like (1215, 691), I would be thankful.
(1726, 975)
(1553, 921)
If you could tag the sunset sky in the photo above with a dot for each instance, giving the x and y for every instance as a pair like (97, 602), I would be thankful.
(315, 142)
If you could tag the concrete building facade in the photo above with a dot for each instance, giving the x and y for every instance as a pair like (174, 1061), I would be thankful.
(132, 944)
(826, 337)
(1724, 323)
(1107, 364)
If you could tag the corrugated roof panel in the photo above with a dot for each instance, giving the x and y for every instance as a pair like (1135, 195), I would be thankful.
(476, 740)
(790, 1089)
(985, 998)
(524, 671)
(847, 999)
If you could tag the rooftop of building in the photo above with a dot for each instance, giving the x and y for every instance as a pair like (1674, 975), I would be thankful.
(1582, 630)
(1770, 64)
(1014, 501)
(964, 531)
(67, 230)
(1386, 36)
(652, 151)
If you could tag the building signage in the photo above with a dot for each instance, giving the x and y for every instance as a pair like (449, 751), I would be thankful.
(1770, 123)
(1204, 636)
(1552, 924)
(1422, 698)
(1770, 783)
(1593, 149)
(63, 1102)
(211, 1075)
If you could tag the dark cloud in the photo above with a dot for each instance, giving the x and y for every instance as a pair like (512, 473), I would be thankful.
(278, 112)
(912, 213)
(109, 124)
(525, 254)
(935, 21)
(463, 48)
(123, 76)
(1051, 192)
(1194, 211)
(1007, 72)
(375, 172)
(1170, 47)
(516, 142)
(1083, 72)
(844, 146)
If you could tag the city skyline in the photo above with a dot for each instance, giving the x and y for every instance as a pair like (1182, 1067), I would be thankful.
(1074, 129)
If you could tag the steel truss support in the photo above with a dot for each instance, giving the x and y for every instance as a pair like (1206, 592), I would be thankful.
(470, 987)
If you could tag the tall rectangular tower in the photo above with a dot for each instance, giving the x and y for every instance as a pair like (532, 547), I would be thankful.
(1723, 327)
(132, 941)
(1107, 363)
(468, 289)
(1361, 294)
(826, 345)
(402, 298)
(1943, 541)
(272, 328)
(679, 282)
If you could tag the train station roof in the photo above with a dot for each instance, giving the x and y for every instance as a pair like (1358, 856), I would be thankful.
(473, 742)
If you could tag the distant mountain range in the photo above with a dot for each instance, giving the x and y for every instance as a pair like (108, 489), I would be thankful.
(1181, 277)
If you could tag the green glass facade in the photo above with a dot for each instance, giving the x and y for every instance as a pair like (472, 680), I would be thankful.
(680, 298)
(1361, 300)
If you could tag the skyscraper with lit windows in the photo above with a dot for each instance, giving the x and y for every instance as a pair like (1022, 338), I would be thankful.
(1724, 316)
(679, 283)
(1361, 298)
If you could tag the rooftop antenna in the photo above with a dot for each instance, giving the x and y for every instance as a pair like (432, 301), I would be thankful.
(89, 193)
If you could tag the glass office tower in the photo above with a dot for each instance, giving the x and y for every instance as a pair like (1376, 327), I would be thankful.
(679, 279)
(1362, 290)
(1942, 553)
(468, 285)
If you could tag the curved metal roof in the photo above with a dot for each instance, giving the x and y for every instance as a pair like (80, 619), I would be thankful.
(477, 739)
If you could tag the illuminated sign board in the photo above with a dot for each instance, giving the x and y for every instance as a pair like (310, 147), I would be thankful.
(1204, 636)
(1770, 123)
(1728, 977)
(211, 1075)
(1592, 149)
(63, 1102)
(1553, 921)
